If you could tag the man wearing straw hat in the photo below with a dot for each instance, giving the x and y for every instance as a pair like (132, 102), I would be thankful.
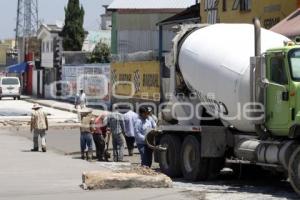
(38, 125)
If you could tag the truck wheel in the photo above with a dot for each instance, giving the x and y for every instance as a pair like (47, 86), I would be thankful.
(294, 170)
(169, 161)
(193, 166)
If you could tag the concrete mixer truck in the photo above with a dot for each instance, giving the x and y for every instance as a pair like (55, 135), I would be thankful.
(235, 100)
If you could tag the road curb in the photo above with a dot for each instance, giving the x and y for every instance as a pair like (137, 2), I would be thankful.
(50, 106)
(72, 110)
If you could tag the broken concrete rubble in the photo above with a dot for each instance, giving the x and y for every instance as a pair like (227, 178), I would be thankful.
(136, 178)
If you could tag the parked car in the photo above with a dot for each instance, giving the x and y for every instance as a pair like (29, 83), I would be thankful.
(10, 87)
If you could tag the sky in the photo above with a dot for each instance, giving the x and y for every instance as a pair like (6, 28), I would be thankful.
(50, 11)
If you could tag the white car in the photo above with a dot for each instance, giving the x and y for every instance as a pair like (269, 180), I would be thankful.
(10, 87)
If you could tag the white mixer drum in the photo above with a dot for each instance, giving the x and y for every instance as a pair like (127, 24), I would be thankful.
(216, 60)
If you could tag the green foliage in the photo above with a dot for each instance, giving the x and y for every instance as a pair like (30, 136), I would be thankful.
(101, 53)
(73, 32)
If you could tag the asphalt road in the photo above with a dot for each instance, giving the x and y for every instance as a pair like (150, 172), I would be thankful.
(26, 175)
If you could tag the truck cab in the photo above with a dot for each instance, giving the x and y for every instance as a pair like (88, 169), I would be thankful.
(282, 116)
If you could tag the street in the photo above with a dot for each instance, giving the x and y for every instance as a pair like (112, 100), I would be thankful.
(57, 173)
(53, 175)
(203, 96)
(27, 175)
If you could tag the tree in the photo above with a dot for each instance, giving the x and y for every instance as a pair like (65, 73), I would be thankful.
(73, 32)
(101, 53)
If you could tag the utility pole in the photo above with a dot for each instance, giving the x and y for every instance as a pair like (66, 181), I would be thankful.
(26, 25)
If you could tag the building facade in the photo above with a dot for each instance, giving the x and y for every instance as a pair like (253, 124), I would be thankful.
(134, 24)
(136, 71)
(6, 46)
(106, 19)
(50, 62)
(270, 12)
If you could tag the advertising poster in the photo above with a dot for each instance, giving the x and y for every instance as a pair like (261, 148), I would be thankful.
(93, 79)
(139, 80)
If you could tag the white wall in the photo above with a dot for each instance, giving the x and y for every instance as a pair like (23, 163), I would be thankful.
(130, 41)
(139, 32)
(47, 51)
(47, 60)
(41, 82)
(34, 83)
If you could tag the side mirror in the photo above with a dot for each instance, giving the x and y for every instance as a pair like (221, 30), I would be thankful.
(264, 83)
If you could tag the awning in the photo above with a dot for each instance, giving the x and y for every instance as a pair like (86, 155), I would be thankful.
(18, 68)
(289, 26)
(191, 14)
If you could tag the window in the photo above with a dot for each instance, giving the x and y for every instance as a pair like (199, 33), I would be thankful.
(294, 58)
(51, 46)
(43, 47)
(47, 47)
(236, 4)
(10, 81)
(277, 70)
(211, 5)
(245, 5)
(224, 5)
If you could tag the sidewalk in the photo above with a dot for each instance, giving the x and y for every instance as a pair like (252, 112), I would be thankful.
(57, 104)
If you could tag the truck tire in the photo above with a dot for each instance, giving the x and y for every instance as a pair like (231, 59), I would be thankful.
(193, 167)
(293, 170)
(169, 161)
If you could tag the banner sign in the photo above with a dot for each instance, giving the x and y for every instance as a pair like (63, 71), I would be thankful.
(93, 79)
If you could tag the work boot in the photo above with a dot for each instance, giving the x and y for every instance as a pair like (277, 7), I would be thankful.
(130, 152)
(82, 156)
(89, 156)
(44, 149)
(35, 149)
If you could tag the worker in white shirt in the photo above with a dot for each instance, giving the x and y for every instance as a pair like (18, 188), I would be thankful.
(80, 99)
(130, 118)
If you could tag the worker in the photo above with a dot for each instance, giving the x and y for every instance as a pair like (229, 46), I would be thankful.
(39, 126)
(80, 99)
(86, 137)
(142, 125)
(130, 118)
(99, 135)
(115, 125)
